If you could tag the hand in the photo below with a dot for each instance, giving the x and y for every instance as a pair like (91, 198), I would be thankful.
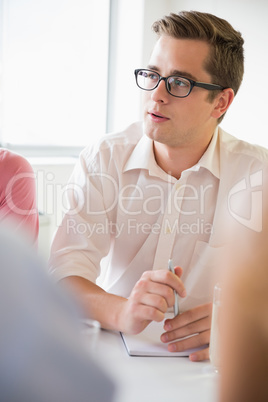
(195, 321)
(150, 298)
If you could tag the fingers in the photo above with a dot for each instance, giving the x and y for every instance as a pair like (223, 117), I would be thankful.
(160, 302)
(153, 293)
(178, 271)
(194, 341)
(156, 289)
(191, 321)
(167, 278)
(140, 315)
(200, 355)
(136, 317)
(195, 325)
(151, 297)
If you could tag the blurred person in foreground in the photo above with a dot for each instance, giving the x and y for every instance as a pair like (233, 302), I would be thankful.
(42, 357)
(18, 195)
(165, 188)
(244, 333)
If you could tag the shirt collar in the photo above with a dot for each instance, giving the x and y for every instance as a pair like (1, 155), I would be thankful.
(142, 157)
(210, 160)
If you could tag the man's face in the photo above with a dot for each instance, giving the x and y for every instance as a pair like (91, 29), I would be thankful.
(179, 122)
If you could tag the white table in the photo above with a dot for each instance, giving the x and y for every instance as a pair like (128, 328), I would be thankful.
(155, 379)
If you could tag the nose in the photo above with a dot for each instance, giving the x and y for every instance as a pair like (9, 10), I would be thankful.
(160, 93)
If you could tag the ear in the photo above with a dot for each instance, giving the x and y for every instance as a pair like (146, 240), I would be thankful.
(222, 102)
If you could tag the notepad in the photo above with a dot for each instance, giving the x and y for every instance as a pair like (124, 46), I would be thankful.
(148, 343)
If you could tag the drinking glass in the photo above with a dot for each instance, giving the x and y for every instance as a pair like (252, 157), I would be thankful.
(214, 348)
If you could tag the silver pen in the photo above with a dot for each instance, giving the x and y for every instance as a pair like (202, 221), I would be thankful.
(176, 304)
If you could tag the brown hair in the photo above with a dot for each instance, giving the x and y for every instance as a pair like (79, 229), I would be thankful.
(226, 62)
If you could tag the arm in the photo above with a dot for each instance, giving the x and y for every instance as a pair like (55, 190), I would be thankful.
(79, 247)
(149, 300)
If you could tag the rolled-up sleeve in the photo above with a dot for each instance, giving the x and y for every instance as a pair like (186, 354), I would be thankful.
(84, 238)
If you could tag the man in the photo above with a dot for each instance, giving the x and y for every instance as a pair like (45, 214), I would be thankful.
(163, 190)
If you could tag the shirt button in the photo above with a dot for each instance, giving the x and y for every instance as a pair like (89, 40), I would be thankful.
(168, 230)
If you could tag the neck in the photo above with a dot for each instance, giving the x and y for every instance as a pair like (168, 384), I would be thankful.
(175, 160)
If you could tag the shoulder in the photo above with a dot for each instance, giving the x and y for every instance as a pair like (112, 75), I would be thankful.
(114, 147)
(12, 163)
(235, 148)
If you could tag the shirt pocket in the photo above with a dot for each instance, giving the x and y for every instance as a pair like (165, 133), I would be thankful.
(203, 273)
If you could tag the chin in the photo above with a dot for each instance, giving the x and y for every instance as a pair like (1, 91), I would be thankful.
(154, 134)
(150, 131)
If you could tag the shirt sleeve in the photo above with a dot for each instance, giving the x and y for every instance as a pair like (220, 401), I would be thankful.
(18, 195)
(83, 238)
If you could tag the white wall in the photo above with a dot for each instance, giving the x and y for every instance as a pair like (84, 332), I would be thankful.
(52, 176)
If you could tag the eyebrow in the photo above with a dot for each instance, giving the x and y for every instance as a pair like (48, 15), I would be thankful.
(174, 72)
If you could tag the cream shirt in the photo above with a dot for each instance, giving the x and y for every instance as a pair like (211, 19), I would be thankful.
(126, 215)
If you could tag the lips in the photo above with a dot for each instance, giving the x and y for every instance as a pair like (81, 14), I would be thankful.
(157, 116)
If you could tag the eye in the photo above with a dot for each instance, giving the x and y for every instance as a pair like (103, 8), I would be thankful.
(148, 74)
(143, 74)
(152, 76)
(179, 82)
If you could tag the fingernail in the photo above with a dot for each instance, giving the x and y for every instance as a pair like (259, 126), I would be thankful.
(167, 327)
(193, 358)
(172, 347)
(164, 338)
(184, 293)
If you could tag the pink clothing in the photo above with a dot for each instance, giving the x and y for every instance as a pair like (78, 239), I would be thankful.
(18, 194)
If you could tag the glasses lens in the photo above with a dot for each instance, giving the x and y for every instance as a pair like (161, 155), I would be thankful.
(147, 79)
(178, 86)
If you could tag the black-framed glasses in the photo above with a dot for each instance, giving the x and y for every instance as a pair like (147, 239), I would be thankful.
(177, 86)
